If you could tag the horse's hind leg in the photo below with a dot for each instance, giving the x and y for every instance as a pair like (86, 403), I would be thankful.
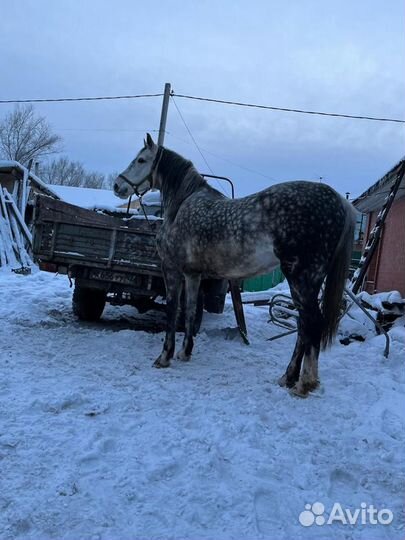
(304, 292)
(308, 380)
(192, 286)
(292, 372)
(312, 324)
(173, 288)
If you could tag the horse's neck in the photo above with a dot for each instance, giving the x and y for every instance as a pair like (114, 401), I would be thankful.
(178, 179)
(173, 198)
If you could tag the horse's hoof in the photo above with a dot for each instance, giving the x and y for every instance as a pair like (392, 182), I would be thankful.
(160, 363)
(183, 357)
(285, 382)
(298, 391)
(303, 389)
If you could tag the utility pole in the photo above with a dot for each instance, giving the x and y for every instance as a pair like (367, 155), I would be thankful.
(163, 116)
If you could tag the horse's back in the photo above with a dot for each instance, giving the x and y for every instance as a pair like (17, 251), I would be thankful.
(287, 208)
(249, 236)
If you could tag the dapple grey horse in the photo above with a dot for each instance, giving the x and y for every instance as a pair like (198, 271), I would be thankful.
(305, 227)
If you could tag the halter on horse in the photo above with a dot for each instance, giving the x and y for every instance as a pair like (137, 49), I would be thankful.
(305, 227)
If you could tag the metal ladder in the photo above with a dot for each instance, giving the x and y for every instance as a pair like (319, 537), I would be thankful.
(375, 234)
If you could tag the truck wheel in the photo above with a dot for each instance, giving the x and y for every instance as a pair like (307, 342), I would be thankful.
(88, 304)
(181, 323)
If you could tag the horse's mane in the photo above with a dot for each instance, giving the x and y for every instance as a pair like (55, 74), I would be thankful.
(179, 179)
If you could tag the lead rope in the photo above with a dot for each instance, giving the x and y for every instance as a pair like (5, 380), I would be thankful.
(143, 208)
(129, 204)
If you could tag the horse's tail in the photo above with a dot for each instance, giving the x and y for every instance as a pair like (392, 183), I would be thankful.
(336, 277)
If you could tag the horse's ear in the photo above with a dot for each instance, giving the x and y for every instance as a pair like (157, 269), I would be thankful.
(144, 143)
(149, 141)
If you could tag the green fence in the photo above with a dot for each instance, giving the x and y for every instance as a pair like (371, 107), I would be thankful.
(262, 283)
(356, 256)
(267, 281)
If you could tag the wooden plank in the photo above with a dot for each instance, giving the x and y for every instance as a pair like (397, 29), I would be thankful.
(9, 246)
(24, 187)
(112, 247)
(86, 233)
(82, 244)
(17, 214)
(22, 253)
(3, 209)
(54, 237)
(48, 209)
(3, 258)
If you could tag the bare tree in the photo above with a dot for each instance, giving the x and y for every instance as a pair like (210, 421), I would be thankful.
(24, 136)
(64, 172)
(110, 179)
(94, 180)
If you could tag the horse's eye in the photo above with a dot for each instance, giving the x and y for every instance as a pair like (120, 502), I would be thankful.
(141, 160)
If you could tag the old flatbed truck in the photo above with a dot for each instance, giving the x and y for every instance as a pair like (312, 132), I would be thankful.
(111, 259)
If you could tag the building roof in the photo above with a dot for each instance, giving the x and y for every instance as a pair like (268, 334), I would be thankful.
(374, 197)
(8, 166)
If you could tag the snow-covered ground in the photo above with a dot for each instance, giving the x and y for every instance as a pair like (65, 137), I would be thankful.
(96, 444)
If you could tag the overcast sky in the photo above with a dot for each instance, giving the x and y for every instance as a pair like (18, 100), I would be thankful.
(340, 56)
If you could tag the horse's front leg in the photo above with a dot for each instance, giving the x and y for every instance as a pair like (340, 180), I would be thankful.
(173, 288)
(192, 286)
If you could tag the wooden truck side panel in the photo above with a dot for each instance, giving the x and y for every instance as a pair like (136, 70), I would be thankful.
(68, 234)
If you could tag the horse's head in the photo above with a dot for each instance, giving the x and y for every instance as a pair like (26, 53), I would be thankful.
(138, 176)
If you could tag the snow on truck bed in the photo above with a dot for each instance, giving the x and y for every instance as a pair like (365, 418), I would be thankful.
(96, 444)
(89, 197)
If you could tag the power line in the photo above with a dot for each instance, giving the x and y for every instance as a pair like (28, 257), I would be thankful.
(97, 98)
(285, 109)
(191, 136)
(196, 145)
(248, 169)
(211, 100)
(113, 130)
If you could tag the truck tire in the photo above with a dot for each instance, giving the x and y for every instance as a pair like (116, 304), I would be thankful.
(88, 304)
(181, 323)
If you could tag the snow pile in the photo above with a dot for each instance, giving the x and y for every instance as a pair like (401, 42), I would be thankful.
(384, 302)
(96, 444)
(385, 308)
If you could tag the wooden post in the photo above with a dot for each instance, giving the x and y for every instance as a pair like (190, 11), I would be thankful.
(23, 198)
(163, 116)
(238, 309)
